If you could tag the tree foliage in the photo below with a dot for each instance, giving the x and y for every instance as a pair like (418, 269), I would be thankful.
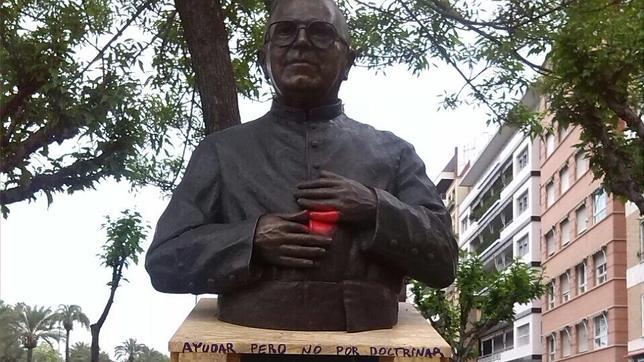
(80, 352)
(132, 108)
(151, 355)
(68, 315)
(125, 235)
(129, 350)
(66, 123)
(46, 353)
(593, 76)
(144, 96)
(597, 83)
(33, 325)
(490, 294)
(10, 349)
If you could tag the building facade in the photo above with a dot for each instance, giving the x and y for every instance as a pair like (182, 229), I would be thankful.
(451, 191)
(499, 221)
(583, 253)
(635, 282)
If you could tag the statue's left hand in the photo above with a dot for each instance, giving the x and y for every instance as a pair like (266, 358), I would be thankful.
(355, 201)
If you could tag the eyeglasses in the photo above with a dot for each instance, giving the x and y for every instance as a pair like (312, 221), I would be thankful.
(319, 33)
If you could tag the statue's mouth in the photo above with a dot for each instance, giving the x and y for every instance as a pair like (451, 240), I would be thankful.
(301, 62)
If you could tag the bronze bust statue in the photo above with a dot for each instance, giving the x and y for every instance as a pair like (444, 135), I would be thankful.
(304, 219)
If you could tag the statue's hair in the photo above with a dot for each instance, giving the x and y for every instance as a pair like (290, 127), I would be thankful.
(344, 28)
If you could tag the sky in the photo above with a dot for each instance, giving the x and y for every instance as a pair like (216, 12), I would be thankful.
(48, 255)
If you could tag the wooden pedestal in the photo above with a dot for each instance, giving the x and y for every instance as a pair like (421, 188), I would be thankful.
(202, 337)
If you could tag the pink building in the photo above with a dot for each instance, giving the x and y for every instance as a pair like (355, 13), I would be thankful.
(583, 253)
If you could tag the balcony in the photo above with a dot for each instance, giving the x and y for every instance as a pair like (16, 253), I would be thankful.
(493, 193)
(491, 348)
(492, 231)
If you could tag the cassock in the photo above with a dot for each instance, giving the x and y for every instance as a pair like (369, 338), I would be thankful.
(203, 242)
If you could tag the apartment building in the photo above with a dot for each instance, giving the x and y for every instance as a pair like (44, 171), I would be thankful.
(499, 220)
(451, 191)
(583, 253)
(635, 282)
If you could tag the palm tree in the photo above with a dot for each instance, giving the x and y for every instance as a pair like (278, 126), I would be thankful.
(33, 324)
(151, 355)
(10, 350)
(129, 350)
(67, 315)
(80, 352)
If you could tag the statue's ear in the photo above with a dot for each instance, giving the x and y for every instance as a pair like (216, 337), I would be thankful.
(351, 57)
(261, 62)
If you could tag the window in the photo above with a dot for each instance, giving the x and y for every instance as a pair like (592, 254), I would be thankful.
(464, 224)
(601, 330)
(551, 294)
(564, 227)
(599, 205)
(550, 243)
(502, 342)
(550, 144)
(497, 343)
(550, 194)
(582, 336)
(582, 219)
(523, 335)
(562, 131)
(642, 310)
(486, 347)
(509, 339)
(522, 246)
(522, 159)
(601, 268)
(581, 164)
(552, 347)
(642, 246)
(565, 287)
(502, 261)
(581, 278)
(566, 342)
(564, 179)
(522, 203)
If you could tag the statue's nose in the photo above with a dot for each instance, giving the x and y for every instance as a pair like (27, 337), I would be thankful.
(301, 37)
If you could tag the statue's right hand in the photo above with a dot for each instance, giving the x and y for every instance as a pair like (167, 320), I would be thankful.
(284, 240)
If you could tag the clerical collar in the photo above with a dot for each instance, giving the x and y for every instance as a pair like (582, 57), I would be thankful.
(323, 113)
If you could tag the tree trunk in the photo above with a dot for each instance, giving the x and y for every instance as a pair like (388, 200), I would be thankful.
(67, 345)
(205, 32)
(95, 329)
(30, 354)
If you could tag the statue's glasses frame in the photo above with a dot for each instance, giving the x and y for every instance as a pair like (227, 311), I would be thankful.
(320, 34)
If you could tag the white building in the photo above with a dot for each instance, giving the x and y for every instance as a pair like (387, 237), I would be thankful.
(499, 221)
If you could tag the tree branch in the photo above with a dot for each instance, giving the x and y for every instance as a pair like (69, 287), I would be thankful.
(51, 132)
(118, 34)
(451, 62)
(186, 141)
(613, 163)
(18, 99)
(626, 113)
(90, 169)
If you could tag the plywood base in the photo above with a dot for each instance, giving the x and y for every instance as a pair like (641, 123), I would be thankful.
(202, 337)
